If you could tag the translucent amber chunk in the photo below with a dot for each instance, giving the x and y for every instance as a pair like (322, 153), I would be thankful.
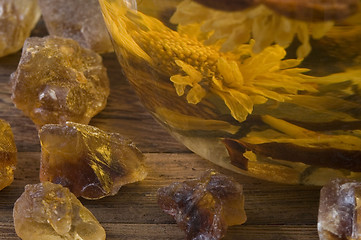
(80, 20)
(204, 208)
(48, 211)
(339, 215)
(58, 81)
(90, 162)
(7, 155)
(17, 19)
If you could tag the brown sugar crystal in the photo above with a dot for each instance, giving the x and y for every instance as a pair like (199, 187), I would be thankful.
(17, 19)
(58, 81)
(49, 211)
(339, 215)
(80, 20)
(204, 208)
(90, 162)
(7, 155)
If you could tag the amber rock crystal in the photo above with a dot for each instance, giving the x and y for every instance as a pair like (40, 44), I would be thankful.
(17, 19)
(58, 81)
(339, 211)
(47, 211)
(80, 20)
(204, 208)
(90, 162)
(8, 157)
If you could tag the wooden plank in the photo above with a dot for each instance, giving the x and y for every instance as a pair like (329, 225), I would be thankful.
(136, 204)
(172, 232)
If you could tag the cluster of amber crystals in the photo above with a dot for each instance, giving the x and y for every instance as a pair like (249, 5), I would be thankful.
(17, 19)
(57, 81)
(8, 157)
(49, 211)
(80, 20)
(90, 162)
(204, 208)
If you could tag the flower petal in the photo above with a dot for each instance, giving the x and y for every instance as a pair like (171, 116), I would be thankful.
(196, 94)
(194, 75)
(230, 71)
(179, 88)
(178, 79)
(238, 111)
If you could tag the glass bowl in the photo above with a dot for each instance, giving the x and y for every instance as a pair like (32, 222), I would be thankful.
(267, 88)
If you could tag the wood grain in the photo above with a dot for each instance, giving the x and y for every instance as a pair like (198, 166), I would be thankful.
(274, 211)
(285, 211)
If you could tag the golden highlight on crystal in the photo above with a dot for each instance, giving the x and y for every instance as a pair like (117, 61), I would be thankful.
(92, 163)
(49, 211)
(17, 19)
(8, 158)
(57, 81)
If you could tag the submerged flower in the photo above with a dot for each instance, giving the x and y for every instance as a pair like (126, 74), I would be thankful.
(259, 23)
(240, 78)
(241, 85)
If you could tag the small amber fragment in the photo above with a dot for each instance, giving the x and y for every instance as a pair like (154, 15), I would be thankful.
(49, 211)
(58, 81)
(339, 215)
(17, 19)
(80, 20)
(204, 208)
(7, 155)
(90, 162)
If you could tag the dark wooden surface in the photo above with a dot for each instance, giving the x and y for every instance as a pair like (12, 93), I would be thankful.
(274, 211)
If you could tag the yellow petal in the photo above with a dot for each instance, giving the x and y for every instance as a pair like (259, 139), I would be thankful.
(264, 92)
(288, 128)
(290, 63)
(218, 83)
(187, 122)
(243, 99)
(179, 88)
(195, 75)
(231, 74)
(196, 94)
(258, 99)
(238, 111)
(178, 79)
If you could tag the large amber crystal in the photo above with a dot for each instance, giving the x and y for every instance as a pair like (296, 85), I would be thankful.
(58, 81)
(339, 215)
(48, 211)
(90, 162)
(204, 208)
(17, 19)
(80, 20)
(7, 155)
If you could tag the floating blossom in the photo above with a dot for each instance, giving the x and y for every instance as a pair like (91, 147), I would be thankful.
(260, 77)
(240, 78)
(260, 23)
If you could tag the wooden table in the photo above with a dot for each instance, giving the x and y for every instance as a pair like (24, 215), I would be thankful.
(274, 211)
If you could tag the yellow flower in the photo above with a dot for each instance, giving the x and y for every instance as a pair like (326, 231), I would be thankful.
(241, 85)
(260, 23)
(239, 78)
